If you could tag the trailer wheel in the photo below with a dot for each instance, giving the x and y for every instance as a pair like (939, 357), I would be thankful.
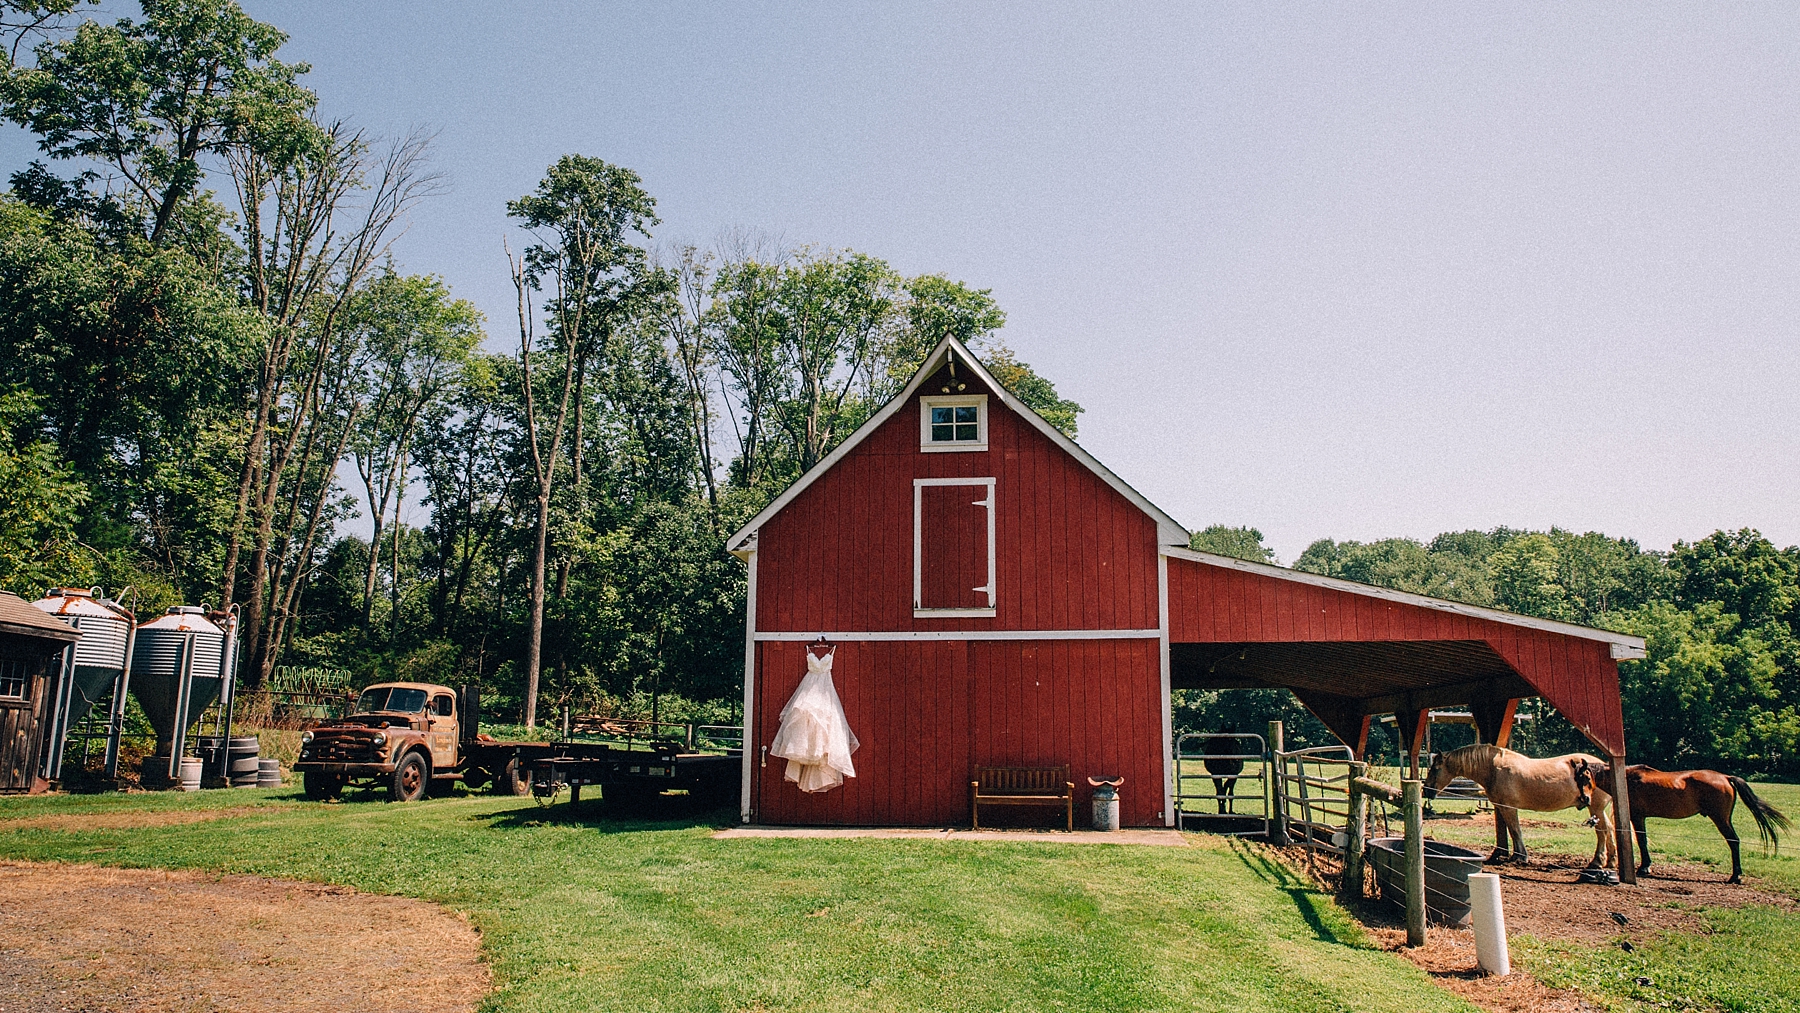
(323, 787)
(411, 777)
(512, 780)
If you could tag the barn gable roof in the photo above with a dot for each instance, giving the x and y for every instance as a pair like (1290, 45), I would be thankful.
(1623, 646)
(1168, 531)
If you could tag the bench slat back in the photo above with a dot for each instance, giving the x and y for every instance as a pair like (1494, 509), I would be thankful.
(1023, 780)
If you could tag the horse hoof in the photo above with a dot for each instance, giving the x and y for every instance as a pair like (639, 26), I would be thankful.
(1498, 858)
(1735, 879)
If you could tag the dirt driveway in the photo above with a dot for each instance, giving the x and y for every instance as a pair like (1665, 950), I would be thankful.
(81, 939)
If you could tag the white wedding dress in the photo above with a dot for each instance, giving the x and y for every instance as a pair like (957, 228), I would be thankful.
(815, 737)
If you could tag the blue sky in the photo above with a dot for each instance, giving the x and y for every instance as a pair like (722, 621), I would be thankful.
(1336, 270)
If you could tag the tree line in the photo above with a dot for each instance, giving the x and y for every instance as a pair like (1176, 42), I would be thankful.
(212, 365)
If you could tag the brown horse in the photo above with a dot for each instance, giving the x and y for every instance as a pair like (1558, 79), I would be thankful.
(1679, 794)
(1514, 781)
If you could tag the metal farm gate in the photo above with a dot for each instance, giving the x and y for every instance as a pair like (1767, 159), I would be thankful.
(1217, 800)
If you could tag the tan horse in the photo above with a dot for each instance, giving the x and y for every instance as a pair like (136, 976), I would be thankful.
(1514, 781)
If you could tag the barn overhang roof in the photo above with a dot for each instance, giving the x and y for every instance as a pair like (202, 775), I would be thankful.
(1168, 531)
(1350, 650)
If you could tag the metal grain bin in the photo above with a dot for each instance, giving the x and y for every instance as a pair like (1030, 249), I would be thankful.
(156, 668)
(99, 654)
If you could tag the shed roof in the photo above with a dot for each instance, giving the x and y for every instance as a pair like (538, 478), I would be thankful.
(17, 616)
(1168, 531)
(1350, 650)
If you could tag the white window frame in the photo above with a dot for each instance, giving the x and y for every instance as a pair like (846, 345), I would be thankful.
(926, 404)
(919, 484)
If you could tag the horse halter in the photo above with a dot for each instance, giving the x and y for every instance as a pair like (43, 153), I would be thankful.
(1584, 783)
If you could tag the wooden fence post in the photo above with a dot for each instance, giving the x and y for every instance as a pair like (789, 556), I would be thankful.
(1412, 801)
(1357, 830)
(1278, 785)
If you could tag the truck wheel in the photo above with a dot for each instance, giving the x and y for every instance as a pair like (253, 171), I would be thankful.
(323, 787)
(512, 780)
(411, 777)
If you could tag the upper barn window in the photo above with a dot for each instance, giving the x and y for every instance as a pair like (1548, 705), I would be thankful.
(957, 422)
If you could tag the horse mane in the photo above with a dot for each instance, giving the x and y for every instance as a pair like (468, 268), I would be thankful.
(1464, 757)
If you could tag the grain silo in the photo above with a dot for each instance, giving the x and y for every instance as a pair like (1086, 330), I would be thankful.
(176, 673)
(93, 669)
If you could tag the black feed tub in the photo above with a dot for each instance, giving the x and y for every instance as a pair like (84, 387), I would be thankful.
(1447, 871)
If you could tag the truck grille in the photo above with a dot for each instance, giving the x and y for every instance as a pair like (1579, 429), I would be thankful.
(340, 749)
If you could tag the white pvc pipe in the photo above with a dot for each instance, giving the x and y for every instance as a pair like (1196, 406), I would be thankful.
(1488, 917)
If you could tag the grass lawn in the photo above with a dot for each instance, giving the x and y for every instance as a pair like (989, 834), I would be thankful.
(579, 912)
(1750, 958)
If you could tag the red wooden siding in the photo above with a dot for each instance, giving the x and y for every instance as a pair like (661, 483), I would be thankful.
(953, 547)
(1217, 604)
(1071, 553)
(927, 713)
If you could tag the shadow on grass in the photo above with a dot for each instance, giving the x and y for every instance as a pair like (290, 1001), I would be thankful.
(663, 814)
(1300, 891)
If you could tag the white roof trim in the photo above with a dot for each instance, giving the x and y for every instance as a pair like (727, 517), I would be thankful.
(1168, 532)
(1625, 647)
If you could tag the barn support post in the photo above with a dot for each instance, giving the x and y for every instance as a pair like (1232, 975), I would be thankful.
(1277, 785)
(1494, 720)
(1356, 833)
(1412, 726)
(1622, 820)
(1412, 802)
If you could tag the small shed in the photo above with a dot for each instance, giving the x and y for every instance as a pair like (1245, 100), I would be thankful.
(998, 597)
(31, 649)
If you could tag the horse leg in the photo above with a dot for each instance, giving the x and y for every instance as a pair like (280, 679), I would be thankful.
(1506, 832)
(1731, 837)
(1641, 831)
(1502, 847)
(1518, 836)
(1230, 794)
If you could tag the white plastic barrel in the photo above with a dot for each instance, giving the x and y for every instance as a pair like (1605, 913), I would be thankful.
(190, 773)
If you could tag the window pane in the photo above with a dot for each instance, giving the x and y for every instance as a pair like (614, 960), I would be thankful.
(966, 414)
(943, 434)
(940, 416)
(966, 433)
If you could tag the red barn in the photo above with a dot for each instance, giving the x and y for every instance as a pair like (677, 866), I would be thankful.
(998, 597)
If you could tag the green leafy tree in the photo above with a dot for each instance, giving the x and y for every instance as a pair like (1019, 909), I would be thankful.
(40, 498)
(1239, 543)
(1403, 564)
(1031, 387)
(584, 213)
(151, 98)
(1525, 575)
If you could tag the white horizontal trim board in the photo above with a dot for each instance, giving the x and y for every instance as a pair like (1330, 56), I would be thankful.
(1624, 645)
(965, 635)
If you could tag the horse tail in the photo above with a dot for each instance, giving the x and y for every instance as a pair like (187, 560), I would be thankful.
(1769, 820)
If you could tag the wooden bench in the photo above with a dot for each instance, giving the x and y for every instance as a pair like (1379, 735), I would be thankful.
(1044, 786)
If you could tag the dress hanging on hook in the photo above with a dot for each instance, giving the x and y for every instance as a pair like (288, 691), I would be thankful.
(815, 736)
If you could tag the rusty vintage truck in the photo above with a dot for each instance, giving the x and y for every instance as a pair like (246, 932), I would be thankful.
(416, 739)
